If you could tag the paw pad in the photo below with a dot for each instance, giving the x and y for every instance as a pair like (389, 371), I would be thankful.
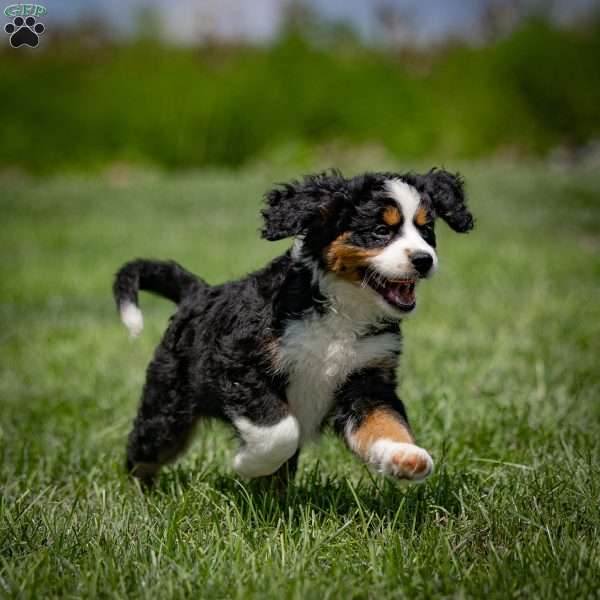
(24, 32)
(413, 465)
(405, 461)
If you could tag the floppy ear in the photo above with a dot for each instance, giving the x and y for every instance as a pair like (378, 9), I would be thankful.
(447, 193)
(297, 206)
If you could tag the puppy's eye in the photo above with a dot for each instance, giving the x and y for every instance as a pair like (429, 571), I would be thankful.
(381, 231)
(428, 233)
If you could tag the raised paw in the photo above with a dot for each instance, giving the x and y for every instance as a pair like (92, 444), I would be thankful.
(265, 448)
(402, 460)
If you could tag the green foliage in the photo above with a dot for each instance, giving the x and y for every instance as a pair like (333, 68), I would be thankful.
(500, 374)
(72, 107)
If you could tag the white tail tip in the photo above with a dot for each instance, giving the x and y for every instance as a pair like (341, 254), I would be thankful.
(132, 318)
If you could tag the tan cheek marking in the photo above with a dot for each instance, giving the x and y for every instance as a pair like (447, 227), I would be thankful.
(380, 424)
(346, 260)
(421, 216)
(391, 215)
(411, 463)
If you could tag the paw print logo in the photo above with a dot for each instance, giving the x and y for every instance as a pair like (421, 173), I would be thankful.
(24, 32)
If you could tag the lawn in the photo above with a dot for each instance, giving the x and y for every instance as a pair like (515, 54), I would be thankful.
(501, 375)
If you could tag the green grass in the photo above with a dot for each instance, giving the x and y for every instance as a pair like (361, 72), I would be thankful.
(500, 374)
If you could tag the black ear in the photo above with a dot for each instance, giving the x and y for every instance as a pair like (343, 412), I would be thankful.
(295, 207)
(448, 195)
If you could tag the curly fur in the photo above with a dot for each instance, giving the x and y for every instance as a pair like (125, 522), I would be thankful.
(290, 346)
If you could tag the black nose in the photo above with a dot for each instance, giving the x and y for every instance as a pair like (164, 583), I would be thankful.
(422, 262)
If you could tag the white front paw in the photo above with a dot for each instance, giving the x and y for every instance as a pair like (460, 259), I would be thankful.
(405, 461)
(250, 466)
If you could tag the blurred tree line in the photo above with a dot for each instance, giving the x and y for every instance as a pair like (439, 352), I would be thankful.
(86, 99)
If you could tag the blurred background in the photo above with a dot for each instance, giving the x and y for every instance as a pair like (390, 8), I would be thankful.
(230, 83)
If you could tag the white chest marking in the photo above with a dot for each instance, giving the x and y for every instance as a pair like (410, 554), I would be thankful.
(318, 353)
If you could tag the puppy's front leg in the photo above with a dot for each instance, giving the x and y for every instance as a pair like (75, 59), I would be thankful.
(374, 424)
(382, 439)
(268, 442)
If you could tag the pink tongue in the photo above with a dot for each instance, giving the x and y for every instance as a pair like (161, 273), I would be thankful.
(400, 294)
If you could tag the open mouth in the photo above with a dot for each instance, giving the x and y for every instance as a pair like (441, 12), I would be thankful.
(400, 293)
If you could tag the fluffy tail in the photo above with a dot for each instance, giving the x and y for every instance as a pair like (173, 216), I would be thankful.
(165, 278)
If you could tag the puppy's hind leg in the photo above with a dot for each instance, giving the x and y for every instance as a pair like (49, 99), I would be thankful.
(154, 443)
(162, 429)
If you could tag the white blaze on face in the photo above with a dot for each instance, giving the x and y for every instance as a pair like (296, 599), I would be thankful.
(394, 261)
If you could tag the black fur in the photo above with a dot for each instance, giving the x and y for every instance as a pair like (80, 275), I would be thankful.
(216, 358)
(166, 278)
(305, 205)
(363, 392)
(298, 294)
(447, 194)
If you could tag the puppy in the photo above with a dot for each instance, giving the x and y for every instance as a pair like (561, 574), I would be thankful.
(313, 336)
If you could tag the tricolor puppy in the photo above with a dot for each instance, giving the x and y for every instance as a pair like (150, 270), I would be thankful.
(312, 337)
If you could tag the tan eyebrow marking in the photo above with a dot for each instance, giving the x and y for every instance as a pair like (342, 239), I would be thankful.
(392, 215)
(421, 216)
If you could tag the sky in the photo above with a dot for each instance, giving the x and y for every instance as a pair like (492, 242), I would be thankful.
(259, 20)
